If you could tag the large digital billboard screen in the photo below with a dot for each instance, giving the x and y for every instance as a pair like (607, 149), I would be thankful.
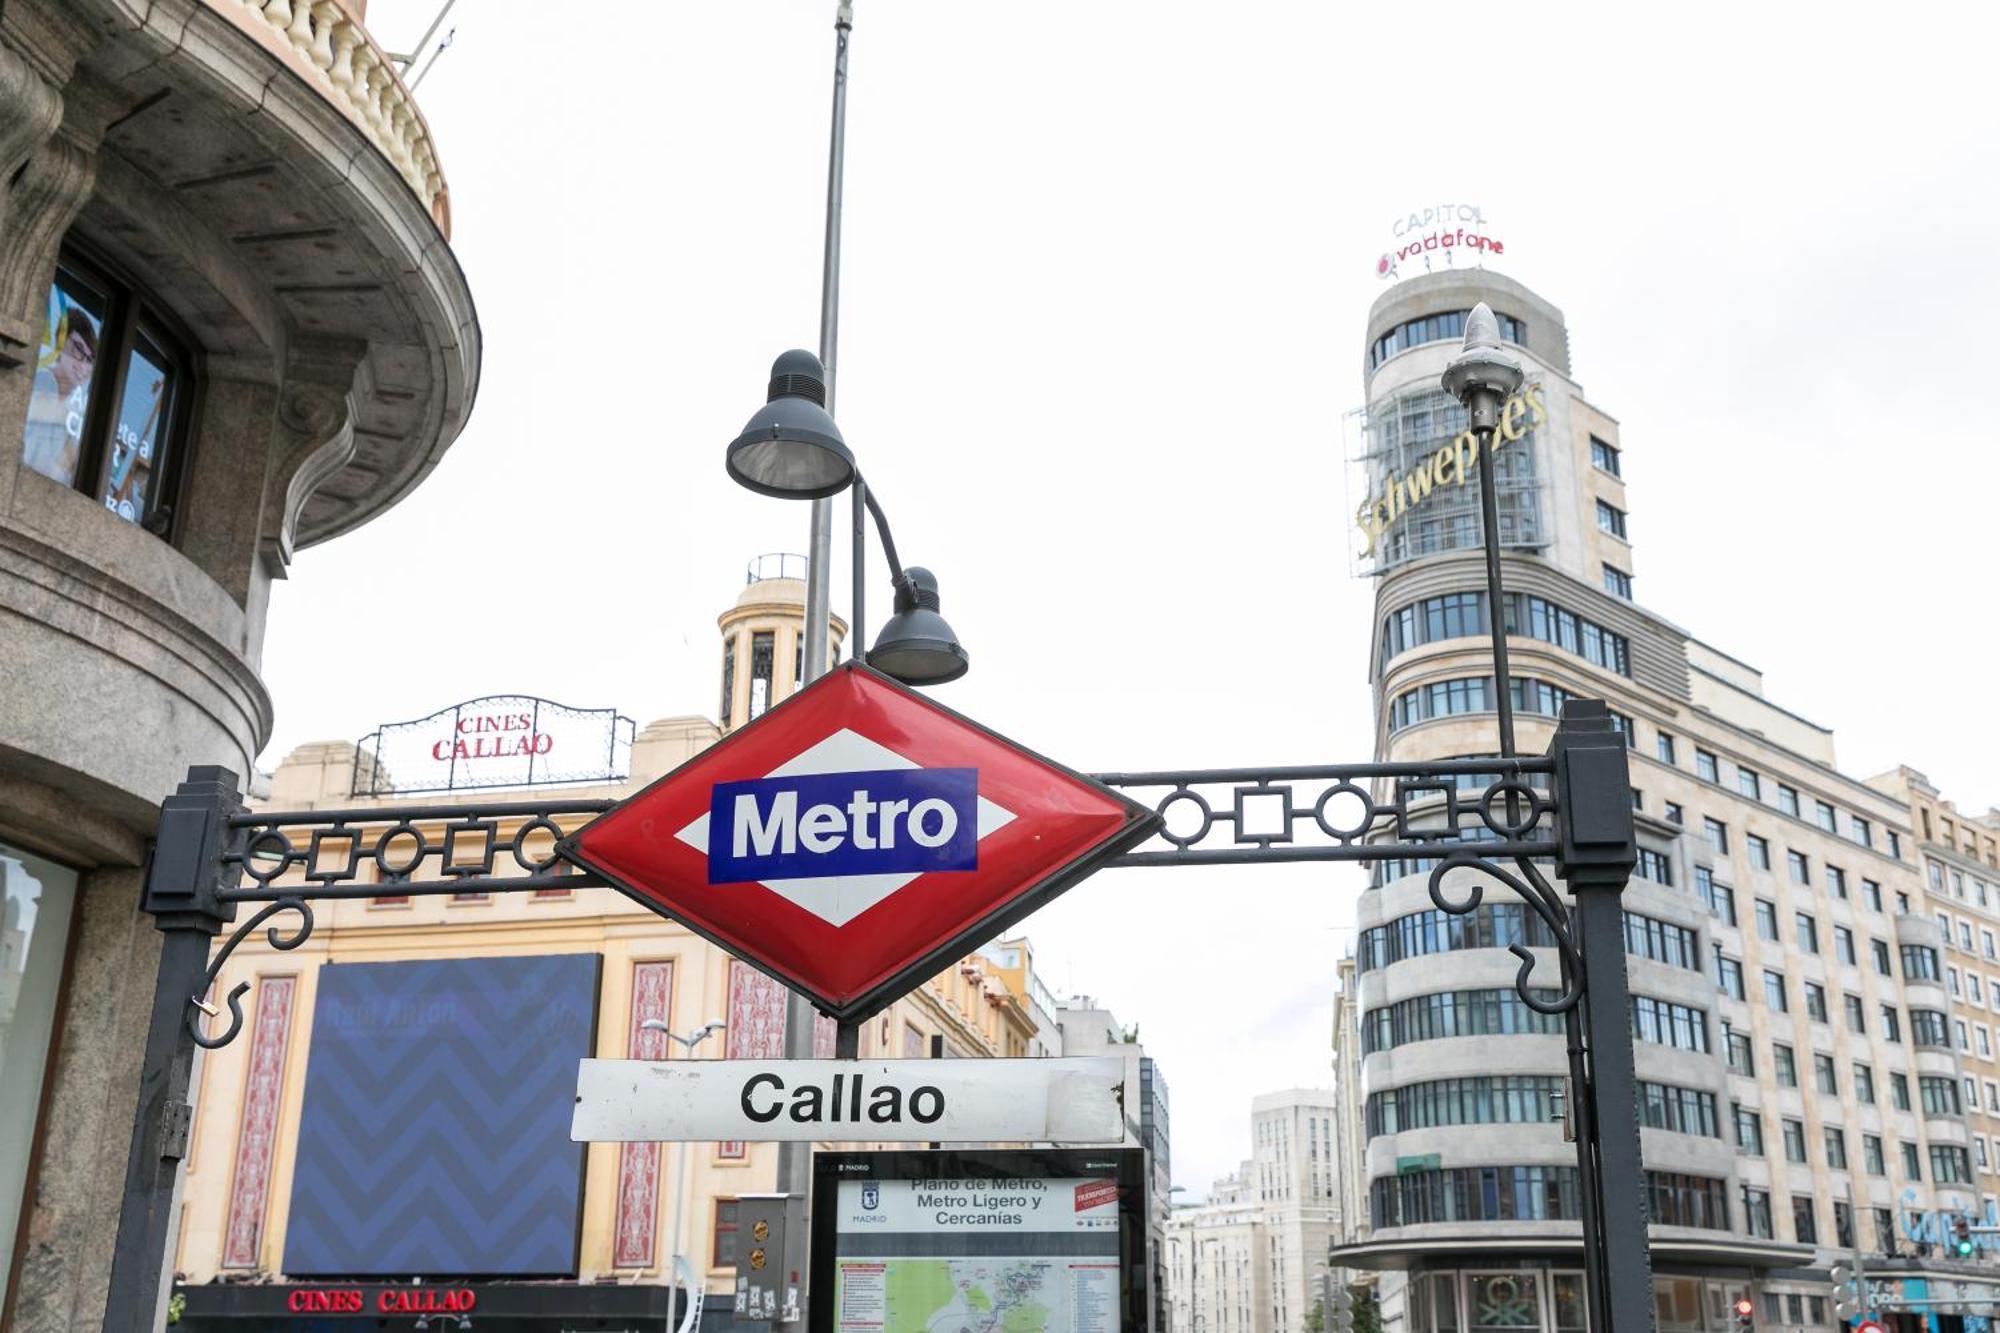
(434, 1138)
(1022, 1241)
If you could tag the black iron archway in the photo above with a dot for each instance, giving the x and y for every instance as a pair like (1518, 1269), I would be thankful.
(1495, 818)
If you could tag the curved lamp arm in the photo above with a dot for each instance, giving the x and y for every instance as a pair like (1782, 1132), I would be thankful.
(858, 630)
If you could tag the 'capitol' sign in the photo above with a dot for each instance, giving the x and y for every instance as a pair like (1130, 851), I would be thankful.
(501, 740)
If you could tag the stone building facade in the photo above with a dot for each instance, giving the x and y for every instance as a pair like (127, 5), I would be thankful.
(231, 327)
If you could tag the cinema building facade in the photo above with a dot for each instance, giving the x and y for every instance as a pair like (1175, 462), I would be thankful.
(231, 327)
(1800, 1095)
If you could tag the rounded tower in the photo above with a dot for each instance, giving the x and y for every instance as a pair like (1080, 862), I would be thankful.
(763, 639)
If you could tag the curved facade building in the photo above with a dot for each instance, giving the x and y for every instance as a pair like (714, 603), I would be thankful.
(1783, 1096)
(231, 326)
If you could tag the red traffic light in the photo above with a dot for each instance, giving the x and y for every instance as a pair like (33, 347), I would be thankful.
(1743, 1309)
(1869, 1326)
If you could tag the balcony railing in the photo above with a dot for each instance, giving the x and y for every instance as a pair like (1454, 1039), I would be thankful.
(327, 46)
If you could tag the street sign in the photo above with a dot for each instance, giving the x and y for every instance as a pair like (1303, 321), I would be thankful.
(857, 839)
(1073, 1100)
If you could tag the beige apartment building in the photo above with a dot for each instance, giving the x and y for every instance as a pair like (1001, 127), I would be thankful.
(1961, 860)
(253, 1096)
(1801, 1096)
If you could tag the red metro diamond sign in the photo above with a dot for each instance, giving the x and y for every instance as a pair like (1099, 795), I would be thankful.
(857, 839)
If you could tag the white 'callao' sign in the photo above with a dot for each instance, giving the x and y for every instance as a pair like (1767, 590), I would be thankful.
(1071, 1100)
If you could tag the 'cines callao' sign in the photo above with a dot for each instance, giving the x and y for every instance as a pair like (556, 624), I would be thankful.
(1451, 465)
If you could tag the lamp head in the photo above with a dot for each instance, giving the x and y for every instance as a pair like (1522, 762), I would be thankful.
(917, 647)
(1483, 376)
(791, 448)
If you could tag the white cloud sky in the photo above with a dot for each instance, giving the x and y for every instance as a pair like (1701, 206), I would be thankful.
(1108, 266)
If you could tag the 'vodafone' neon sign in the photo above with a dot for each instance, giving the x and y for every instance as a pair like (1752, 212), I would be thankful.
(1439, 230)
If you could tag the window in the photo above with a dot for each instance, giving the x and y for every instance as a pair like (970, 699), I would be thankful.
(1965, 936)
(1804, 1229)
(1611, 519)
(1861, 830)
(1729, 977)
(1920, 963)
(1749, 783)
(1801, 869)
(1950, 1165)
(1474, 1194)
(1604, 456)
(1654, 866)
(1661, 941)
(1675, 815)
(1446, 326)
(1665, 1023)
(1795, 1140)
(1788, 800)
(1741, 1061)
(1992, 1095)
(1984, 1041)
(725, 1234)
(1617, 582)
(1986, 944)
(1864, 1084)
(1638, 799)
(1467, 1013)
(1892, 1030)
(1899, 1091)
(1749, 1131)
(1912, 1166)
(1663, 747)
(1485, 1099)
(1760, 851)
(1807, 931)
(1767, 919)
(1843, 1221)
(1958, 1030)
(1836, 881)
(1720, 898)
(1843, 945)
(763, 652)
(1856, 1014)
(1757, 1218)
(1880, 950)
(1718, 835)
(1938, 1096)
(1815, 1001)
(1871, 893)
(1677, 1200)
(1705, 767)
(1682, 1110)
(116, 435)
(1824, 813)
(1783, 1065)
(1895, 843)
(1836, 1147)
(1871, 1155)
(1824, 1077)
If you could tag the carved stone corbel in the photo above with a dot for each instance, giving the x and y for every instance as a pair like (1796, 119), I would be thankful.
(44, 179)
(315, 435)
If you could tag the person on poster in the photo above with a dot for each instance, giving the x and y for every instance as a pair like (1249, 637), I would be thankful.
(52, 443)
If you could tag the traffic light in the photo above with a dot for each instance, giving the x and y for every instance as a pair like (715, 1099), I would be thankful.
(1961, 1237)
(1846, 1293)
(1743, 1310)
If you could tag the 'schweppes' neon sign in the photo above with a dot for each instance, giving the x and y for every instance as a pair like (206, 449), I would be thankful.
(1451, 465)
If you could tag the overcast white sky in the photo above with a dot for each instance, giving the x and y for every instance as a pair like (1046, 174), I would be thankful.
(1108, 266)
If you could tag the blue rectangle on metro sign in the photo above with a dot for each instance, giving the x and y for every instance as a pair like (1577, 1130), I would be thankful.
(816, 825)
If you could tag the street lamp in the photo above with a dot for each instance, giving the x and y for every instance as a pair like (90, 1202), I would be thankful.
(793, 450)
(687, 1043)
(1483, 376)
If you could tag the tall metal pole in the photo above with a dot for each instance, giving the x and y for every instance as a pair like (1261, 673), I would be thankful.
(1496, 610)
(801, 1021)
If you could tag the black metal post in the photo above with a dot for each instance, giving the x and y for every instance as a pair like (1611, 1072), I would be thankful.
(847, 1041)
(1596, 848)
(182, 887)
(1496, 613)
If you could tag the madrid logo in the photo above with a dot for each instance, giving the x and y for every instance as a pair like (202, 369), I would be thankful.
(856, 839)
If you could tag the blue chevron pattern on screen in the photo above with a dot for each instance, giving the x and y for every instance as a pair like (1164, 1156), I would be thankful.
(435, 1137)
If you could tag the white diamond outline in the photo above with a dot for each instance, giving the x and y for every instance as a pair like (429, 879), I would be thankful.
(838, 899)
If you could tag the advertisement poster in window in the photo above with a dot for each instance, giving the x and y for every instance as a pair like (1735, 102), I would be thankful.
(65, 365)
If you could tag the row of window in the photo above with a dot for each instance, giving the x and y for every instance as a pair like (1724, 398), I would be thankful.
(1751, 783)
(1533, 1194)
(1437, 328)
(1525, 1099)
(1949, 1163)
(1459, 615)
(1502, 925)
(1463, 1013)
(1665, 1023)
(1475, 694)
